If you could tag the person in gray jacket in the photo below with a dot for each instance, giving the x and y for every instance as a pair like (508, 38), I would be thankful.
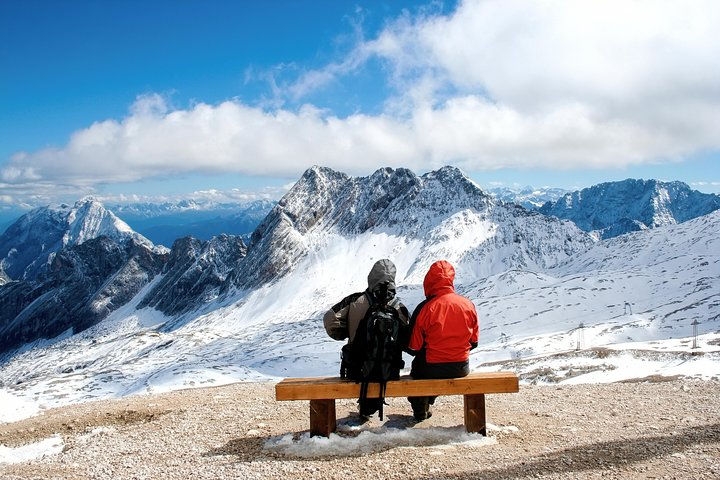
(344, 319)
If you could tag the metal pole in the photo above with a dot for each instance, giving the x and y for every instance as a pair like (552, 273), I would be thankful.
(695, 333)
(580, 337)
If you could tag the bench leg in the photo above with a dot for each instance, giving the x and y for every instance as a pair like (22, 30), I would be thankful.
(475, 414)
(322, 417)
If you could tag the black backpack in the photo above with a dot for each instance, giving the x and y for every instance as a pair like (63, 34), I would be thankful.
(375, 356)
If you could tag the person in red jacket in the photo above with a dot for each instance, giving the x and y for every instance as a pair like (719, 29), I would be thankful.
(444, 330)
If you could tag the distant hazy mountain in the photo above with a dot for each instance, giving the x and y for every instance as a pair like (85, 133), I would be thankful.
(529, 197)
(616, 208)
(28, 246)
(4, 224)
(163, 223)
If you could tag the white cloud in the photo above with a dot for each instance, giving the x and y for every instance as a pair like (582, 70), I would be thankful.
(609, 83)
(496, 84)
(229, 137)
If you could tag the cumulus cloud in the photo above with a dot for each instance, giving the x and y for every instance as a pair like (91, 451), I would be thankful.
(552, 84)
(229, 137)
(494, 84)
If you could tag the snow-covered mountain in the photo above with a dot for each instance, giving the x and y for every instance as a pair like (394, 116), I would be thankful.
(615, 208)
(195, 273)
(535, 281)
(441, 214)
(529, 197)
(641, 291)
(28, 246)
(83, 284)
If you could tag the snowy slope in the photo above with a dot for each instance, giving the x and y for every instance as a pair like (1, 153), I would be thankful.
(640, 291)
(534, 280)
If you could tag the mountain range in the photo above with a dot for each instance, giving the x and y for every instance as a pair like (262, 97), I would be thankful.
(529, 197)
(615, 208)
(115, 315)
(163, 223)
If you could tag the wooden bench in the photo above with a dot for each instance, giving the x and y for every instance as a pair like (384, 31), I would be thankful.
(322, 393)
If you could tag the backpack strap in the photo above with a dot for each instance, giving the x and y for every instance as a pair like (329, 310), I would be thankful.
(383, 386)
(363, 392)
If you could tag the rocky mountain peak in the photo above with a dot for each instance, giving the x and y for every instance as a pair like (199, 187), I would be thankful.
(196, 272)
(81, 286)
(28, 244)
(390, 201)
(616, 208)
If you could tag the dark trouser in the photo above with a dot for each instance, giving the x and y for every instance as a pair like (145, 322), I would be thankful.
(422, 369)
(369, 406)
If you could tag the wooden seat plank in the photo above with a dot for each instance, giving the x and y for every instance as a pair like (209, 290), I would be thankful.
(334, 387)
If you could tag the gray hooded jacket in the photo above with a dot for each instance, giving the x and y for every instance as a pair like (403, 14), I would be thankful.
(342, 320)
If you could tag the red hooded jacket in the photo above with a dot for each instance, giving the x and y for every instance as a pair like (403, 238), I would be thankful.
(447, 324)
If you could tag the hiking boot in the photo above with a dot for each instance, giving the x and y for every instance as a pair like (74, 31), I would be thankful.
(420, 416)
(420, 407)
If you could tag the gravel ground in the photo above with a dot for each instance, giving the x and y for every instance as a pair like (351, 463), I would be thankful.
(658, 428)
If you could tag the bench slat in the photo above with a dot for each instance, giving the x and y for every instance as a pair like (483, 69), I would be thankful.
(334, 387)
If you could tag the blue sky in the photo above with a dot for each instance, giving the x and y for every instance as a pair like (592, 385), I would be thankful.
(167, 99)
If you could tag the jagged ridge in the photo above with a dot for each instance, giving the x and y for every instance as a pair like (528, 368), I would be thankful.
(616, 208)
(398, 202)
(83, 284)
(195, 273)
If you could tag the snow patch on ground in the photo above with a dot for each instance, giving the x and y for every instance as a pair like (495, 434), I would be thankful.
(365, 441)
(50, 446)
(16, 407)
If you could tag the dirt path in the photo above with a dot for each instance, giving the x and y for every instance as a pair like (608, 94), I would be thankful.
(659, 429)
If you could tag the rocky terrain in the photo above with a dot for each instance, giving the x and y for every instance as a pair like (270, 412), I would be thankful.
(664, 428)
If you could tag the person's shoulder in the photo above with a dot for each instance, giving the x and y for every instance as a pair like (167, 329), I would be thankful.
(467, 302)
(353, 298)
(461, 299)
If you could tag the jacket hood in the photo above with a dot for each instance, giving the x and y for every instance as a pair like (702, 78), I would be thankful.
(383, 271)
(439, 279)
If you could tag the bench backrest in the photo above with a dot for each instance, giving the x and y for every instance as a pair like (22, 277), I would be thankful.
(335, 387)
